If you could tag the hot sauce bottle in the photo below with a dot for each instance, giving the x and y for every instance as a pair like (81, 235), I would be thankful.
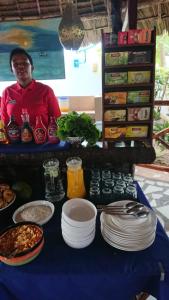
(13, 131)
(52, 130)
(26, 130)
(40, 131)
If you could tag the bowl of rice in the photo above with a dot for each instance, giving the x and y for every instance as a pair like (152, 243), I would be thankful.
(39, 211)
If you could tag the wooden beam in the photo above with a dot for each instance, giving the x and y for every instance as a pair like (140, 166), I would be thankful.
(126, 21)
(38, 7)
(142, 5)
(161, 102)
(152, 17)
(132, 14)
(18, 8)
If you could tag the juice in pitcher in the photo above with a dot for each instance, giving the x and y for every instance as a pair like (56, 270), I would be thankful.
(75, 178)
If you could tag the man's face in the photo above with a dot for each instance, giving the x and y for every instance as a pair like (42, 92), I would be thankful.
(21, 67)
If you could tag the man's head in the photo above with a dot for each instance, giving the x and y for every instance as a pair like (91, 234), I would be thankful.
(21, 64)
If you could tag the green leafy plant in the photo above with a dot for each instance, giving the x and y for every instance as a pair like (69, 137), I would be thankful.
(157, 113)
(77, 125)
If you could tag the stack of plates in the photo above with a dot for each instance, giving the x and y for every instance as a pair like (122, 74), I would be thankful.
(78, 223)
(127, 232)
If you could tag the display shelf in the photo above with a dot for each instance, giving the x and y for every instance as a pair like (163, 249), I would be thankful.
(124, 70)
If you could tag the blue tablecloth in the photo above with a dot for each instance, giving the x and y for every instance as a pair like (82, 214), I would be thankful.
(97, 272)
(33, 148)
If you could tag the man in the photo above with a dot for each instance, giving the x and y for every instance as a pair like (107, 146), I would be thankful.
(37, 98)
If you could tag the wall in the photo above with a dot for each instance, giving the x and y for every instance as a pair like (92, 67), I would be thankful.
(84, 80)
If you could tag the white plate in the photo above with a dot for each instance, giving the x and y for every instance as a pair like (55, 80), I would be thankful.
(129, 247)
(32, 216)
(1, 209)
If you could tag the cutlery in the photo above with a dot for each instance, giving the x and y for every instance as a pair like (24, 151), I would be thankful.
(128, 206)
(10, 253)
(138, 210)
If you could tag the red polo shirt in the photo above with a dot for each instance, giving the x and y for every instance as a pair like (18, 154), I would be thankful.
(37, 98)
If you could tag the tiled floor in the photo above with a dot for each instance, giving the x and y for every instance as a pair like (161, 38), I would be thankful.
(155, 185)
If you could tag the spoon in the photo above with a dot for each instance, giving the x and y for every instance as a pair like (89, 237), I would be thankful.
(128, 206)
(10, 253)
(138, 211)
(137, 214)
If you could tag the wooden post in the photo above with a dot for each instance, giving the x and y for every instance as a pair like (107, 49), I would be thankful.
(132, 14)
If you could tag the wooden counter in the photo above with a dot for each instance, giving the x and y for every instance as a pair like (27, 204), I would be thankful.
(92, 156)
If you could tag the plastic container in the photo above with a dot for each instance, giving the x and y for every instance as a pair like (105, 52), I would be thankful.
(75, 178)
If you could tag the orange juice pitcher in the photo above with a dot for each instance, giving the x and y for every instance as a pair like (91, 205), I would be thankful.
(75, 178)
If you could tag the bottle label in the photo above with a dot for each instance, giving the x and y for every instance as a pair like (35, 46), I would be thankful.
(40, 135)
(26, 135)
(14, 134)
(52, 138)
(2, 136)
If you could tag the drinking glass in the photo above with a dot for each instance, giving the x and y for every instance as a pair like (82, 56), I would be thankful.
(54, 190)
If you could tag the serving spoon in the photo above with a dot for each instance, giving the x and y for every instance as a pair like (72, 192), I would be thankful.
(10, 253)
(136, 209)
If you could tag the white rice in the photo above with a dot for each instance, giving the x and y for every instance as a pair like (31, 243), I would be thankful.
(36, 213)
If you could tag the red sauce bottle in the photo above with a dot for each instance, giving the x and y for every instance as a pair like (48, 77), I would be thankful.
(52, 131)
(40, 131)
(13, 131)
(26, 130)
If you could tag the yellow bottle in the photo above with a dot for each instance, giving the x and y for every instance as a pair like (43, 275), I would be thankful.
(3, 136)
(75, 178)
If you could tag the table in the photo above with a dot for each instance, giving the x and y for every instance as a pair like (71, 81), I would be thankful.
(96, 272)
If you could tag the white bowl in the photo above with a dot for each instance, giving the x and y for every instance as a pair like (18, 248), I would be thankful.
(79, 212)
(78, 244)
(76, 235)
(33, 217)
(79, 230)
(74, 227)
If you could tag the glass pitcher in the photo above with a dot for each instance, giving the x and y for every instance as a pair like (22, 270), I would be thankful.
(75, 178)
(54, 190)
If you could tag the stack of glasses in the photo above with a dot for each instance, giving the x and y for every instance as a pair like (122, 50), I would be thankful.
(106, 185)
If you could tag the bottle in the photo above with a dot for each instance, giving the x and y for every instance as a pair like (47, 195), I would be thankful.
(40, 131)
(13, 131)
(3, 135)
(52, 130)
(26, 130)
(75, 178)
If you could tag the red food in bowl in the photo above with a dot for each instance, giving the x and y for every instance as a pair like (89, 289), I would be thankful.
(21, 243)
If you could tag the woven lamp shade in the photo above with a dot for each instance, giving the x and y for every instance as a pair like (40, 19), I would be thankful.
(71, 29)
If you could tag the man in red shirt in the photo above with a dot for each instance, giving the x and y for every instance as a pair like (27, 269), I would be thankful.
(37, 98)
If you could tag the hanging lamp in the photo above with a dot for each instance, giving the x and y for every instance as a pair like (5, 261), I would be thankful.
(71, 29)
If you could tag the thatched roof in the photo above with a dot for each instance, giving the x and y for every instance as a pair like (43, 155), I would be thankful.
(95, 14)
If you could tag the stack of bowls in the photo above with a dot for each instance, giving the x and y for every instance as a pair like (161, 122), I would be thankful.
(78, 222)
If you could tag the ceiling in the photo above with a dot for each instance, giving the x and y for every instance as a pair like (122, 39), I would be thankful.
(95, 14)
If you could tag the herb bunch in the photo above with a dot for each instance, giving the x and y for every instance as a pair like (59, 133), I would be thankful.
(77, 125)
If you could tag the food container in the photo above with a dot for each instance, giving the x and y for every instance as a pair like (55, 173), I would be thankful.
(15, 253)
(7, 196)
(39, 211)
